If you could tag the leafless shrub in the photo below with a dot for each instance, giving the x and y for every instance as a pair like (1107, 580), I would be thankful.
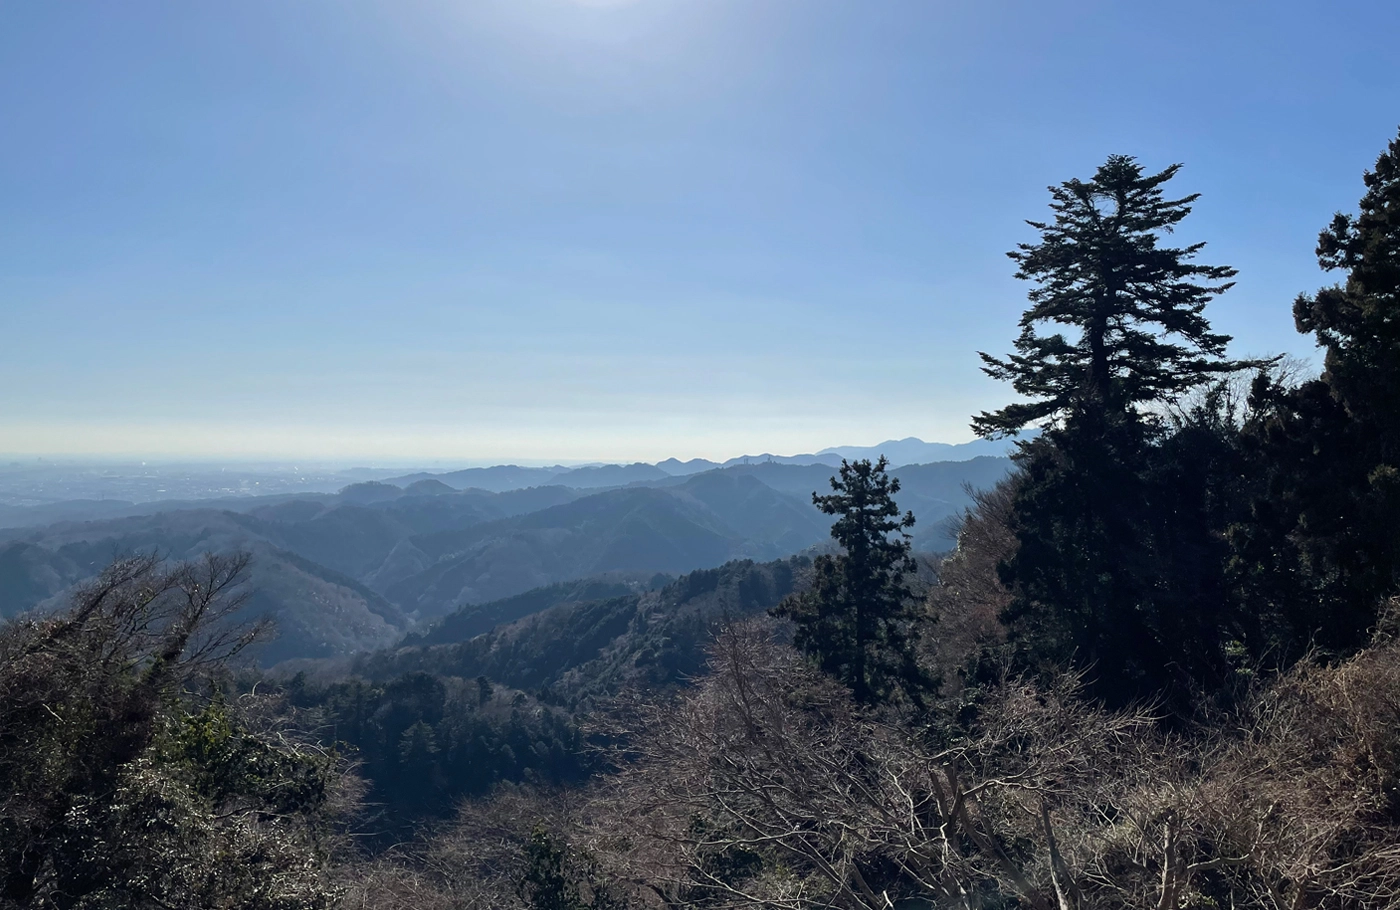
(473, 863)
(1317, 782)
(970, 597)
(766, 787)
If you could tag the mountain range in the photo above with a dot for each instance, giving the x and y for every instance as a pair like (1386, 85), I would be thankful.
(899, 452)
(359, 569)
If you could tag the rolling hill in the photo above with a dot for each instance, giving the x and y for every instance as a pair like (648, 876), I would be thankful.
(319, 612)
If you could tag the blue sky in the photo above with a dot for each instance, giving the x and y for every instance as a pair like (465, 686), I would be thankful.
(556, 229)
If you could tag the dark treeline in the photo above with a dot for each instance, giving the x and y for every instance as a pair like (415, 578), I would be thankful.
(1184, 518)
(1160, 669)
(424, 741)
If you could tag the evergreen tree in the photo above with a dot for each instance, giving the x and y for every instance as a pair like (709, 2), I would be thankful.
(546, 884)
(858, 621)
(1108, 569)
(556, 878)
(1137, 306)
(1324, 547)
(1357, 323)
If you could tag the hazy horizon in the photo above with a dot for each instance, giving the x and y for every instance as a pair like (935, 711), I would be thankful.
(232, 448)
(427, 462)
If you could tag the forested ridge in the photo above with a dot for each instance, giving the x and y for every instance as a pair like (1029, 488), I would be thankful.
(356, 570)
(1160, 668)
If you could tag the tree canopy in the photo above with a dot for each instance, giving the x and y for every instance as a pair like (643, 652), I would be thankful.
(1357, 323)
(1136, 305)
(1118, 567)
(1321, 549)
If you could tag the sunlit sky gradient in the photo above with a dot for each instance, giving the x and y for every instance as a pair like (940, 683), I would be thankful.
(558, 229)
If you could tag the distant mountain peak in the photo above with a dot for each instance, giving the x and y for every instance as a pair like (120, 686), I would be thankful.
(428, 486)
(370, 491)
(500, 478)
(913, 450)
(677, 468)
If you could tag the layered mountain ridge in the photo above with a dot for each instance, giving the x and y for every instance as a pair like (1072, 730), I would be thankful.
(357, 570)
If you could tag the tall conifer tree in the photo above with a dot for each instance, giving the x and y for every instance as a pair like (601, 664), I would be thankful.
(857, 621)
(1324, 548)
(1136, 305)
(1357, 322)
(1097, 577)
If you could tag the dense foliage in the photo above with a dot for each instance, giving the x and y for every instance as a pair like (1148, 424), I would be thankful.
(118, 788)
(430, 725)
(1123, 503)
(1322, 546)
(426, 741)
(577, 652)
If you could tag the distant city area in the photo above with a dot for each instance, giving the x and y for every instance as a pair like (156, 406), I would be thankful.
(36, 482)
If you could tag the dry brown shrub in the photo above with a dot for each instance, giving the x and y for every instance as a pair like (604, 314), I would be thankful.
(969, 597)
(766, 787)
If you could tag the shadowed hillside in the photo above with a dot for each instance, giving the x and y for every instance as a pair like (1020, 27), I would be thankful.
(583, 649)
(318, 611)
(476, 619)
